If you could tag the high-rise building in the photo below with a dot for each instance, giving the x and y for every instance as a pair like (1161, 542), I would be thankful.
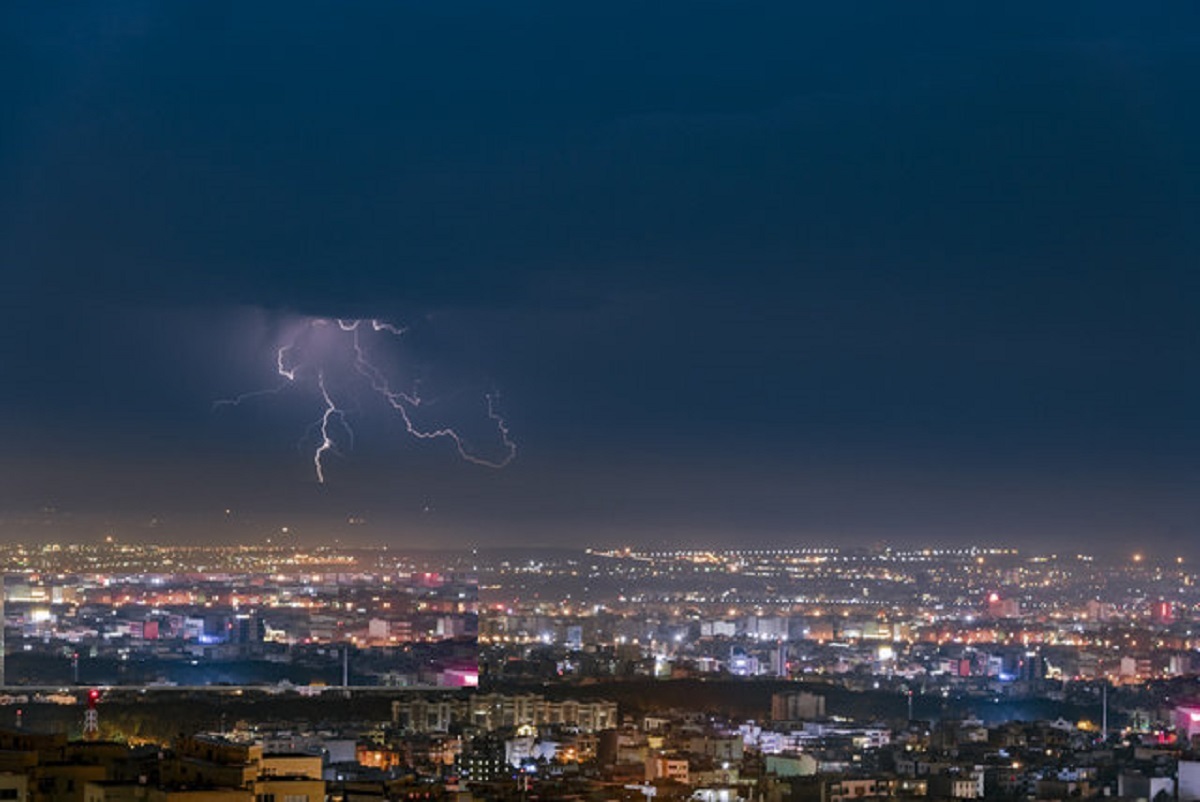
(1162, 613)
(797, 706)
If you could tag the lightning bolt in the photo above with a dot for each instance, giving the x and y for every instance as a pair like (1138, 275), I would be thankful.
(293, 362)
(238, 399)
(327, 444)
(280, 366)
(405, 402)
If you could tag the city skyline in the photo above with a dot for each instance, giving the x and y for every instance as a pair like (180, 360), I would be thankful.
(760, 275)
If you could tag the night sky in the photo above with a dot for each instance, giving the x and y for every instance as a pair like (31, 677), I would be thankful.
(737, 272)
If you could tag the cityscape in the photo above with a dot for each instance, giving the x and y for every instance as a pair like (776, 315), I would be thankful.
(158, 615)
(806, 673)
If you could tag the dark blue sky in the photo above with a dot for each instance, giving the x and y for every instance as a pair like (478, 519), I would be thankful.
(740, 271)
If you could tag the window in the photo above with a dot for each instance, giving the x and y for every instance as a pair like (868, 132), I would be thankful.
(8, 793)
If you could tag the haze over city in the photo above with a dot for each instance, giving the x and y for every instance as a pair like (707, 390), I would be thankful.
(729, 274)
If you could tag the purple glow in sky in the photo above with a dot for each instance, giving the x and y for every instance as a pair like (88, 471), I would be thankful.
(341, 361)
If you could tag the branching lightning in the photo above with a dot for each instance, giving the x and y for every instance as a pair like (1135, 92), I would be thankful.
(238, 399)
(316, 356)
